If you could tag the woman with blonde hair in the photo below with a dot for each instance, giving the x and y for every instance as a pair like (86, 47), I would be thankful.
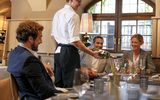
(134, 56)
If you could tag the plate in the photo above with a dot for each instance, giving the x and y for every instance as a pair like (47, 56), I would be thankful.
(73, 95)
(154, 97)
(150, 94)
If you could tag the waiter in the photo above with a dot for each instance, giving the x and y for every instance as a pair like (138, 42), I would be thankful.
(65, 30)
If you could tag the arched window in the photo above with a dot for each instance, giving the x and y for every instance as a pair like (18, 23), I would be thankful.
(118, 20)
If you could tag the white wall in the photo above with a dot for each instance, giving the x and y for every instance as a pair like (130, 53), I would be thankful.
(21, 10)
(48, 44)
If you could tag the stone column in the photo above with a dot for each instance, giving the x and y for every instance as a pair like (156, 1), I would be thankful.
(156, 32)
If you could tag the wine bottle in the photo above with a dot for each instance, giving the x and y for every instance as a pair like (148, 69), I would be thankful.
(103, 54)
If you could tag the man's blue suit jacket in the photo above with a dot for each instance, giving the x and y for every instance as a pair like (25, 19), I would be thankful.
(30, 75)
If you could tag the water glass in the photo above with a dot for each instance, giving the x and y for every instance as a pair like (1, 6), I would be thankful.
(78, 80)
(98, 86)
(133, 92)
(80, 89)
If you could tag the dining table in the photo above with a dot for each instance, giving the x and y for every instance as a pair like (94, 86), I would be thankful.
(117, 87)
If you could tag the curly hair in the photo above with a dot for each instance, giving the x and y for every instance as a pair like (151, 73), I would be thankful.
(26, 29)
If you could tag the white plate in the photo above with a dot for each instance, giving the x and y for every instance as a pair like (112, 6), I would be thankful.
(73, 95)
(154, 97)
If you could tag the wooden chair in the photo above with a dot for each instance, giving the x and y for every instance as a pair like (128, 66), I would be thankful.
(14, 89)
(8, 89)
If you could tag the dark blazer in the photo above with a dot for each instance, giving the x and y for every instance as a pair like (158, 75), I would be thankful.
(31, 77)
(128, 55)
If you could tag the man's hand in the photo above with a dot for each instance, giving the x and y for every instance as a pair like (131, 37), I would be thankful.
(89, 72)
(84, 70)
(93, 73)
(49, 69)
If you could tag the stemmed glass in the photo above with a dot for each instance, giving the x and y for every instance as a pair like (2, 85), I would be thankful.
(124, 71)
(117, 63)
(111, 62)
(142, 64)
(133, 67)
(125, 67)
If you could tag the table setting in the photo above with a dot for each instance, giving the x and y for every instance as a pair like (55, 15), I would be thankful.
(117, 85)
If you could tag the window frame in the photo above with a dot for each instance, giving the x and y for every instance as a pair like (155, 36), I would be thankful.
(118, 17)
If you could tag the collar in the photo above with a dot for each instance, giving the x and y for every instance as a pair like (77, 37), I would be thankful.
(69, 6)
(33, 52)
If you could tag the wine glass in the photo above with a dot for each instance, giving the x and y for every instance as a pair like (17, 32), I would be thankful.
(118, 64)
(125, 67)
(126, 71)
(123, 71)
(133, 70)
(142, 64)
(112, 64)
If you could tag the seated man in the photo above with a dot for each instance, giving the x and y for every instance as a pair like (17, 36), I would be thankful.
(32, 79)
(95, 67)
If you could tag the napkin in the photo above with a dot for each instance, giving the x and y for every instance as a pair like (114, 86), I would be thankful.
(61, 89)
(156, 76)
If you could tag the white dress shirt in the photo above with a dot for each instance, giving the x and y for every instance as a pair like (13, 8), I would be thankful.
(33, 52)
(66, 26)
(98, 65)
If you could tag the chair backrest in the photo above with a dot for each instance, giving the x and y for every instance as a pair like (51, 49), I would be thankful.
(14, 89)
(8, 89)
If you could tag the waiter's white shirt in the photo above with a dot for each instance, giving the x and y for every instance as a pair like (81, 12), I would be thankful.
(65, 26)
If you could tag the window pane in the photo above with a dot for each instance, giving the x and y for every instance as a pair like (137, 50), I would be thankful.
(129, 6)
(96, 8)
(96, 31)
(108, 31)
(108, 6)
(144, 7)
(125, 42)
(134, 6)
(128, 28)
(144, 28)
(147, 43)
(96, 27)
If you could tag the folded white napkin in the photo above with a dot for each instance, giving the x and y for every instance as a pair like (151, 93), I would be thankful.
(61, 89)
(156, 76)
